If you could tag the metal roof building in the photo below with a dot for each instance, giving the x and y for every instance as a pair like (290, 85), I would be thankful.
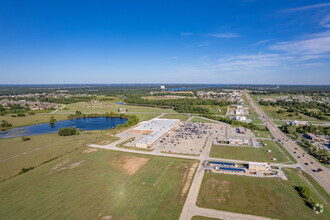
(154, 129)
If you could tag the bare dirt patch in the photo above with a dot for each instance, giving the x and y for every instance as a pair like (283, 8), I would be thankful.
(57, 168)
(131, 164)
(188, 177)
(90, 150)
(62, 163)
(74, 165)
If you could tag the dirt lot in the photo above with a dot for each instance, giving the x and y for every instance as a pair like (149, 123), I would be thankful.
(131, 164)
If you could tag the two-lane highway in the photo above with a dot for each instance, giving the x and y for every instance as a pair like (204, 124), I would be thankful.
(304, 160)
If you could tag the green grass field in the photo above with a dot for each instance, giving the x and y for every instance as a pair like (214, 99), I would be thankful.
(199, 119)
(102, 108)
(262, 134)
(270, 197)
(257, 121)
(293, 160)
(16, 154)
(145, 116)
(213, 109)
(98, 184)
(279, 122)
(176, 116)
(32, 119)
(249, 153)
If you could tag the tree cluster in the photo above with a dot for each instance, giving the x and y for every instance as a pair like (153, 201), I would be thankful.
(68, 131)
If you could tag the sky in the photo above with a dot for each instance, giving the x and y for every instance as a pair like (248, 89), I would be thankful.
(172, 41)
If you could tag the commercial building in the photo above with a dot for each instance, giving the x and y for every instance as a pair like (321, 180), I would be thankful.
(263, 167)
(298, 123)
(154, 130)
(238, 141)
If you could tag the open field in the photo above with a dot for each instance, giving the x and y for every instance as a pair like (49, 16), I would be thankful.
(107, 106)
(99, 184)
(16, 154)
(262, 134)
(32, 119)
(279, 122)
(270, 197)
(249, 153)
(293, 160)
(199, 119)
(213, 109)
(176, 116)
(257, 121)
(145, 116)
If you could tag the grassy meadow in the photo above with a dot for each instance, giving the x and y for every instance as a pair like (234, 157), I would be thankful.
(270, 197)
(94, 184)
(249, 153)
(32, 119)
(181, 117)
(16, 154)
(199, 119)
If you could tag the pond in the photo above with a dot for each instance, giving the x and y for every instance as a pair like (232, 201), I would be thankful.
(120, 103)
(87, 124)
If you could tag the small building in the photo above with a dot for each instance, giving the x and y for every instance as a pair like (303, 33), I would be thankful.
(263, 167)
(239, 111)
(298, 123)
(162, 87)
(311, 137)
(240, 118)
(238, 141)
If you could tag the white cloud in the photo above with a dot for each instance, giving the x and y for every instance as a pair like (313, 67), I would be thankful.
(203, 43)
(263, 42)
(314, 44)
(308, 7)
(224, 35)
(326, 21)
(250, 62)
(186, 34)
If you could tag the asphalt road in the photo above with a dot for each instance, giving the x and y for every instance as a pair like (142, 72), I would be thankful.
(307, 163)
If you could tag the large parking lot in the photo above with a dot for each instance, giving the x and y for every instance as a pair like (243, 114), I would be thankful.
(191, 137)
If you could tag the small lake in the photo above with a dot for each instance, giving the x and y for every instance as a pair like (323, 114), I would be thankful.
(87, 124)
(120, 103)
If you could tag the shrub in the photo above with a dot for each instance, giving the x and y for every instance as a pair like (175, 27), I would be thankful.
(305, 194)
(21, 115)
(68, 131)
(24, 170)
(26, 138)
(32, 113)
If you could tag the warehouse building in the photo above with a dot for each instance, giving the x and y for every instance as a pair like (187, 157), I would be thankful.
(154, 130)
